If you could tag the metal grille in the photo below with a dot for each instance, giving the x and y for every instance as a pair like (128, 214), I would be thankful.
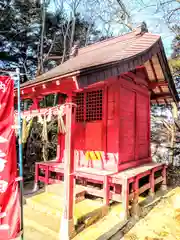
(89, 106)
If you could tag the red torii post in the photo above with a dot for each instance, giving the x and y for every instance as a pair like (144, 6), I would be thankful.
(67, 222)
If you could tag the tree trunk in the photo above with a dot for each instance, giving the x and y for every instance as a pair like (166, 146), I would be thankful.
(65, 40)
(72, 32)
(87, 34)
(173, 136)
(172, 144)
(42, 37)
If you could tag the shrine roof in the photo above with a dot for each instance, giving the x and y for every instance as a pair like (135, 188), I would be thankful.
(127, 51)
(100, 53)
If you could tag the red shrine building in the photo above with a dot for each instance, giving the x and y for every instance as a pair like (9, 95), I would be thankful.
(113, 84)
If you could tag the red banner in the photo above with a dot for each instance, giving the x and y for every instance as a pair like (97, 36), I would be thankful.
(9, 193)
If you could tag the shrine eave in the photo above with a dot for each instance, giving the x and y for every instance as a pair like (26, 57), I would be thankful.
(110, 58)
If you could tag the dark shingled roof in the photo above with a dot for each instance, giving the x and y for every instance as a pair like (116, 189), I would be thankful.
(108, 51)
(127, 52)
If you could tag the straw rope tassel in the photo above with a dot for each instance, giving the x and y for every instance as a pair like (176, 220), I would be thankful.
(24, 126)
(61, 125)
(44, 139)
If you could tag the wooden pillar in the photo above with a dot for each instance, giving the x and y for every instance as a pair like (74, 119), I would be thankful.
(106, 190)
(58, 151)
(60, 137)
(36, 180)
(125, 198)
(67, 224)
(152, 184)
(35, 104)
(135, 203)
(36, 172)
(47, 175)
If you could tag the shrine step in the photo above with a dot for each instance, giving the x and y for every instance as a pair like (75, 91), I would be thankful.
(43, 213)
(47, 203)
(58, 189)
(44, 219)
(31, 233)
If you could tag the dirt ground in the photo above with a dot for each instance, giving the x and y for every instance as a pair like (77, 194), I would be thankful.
(161, 223)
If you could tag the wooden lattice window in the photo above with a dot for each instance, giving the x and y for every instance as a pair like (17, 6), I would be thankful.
(94, 105)
(89, 106)
(79, 99)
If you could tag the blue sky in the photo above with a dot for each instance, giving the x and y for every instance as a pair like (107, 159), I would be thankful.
(156, 24)
(153, 14)
(142, 10)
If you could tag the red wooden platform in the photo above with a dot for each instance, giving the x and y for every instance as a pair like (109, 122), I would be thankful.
(117, 186)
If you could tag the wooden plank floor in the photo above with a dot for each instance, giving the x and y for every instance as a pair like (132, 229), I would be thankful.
(136, 171)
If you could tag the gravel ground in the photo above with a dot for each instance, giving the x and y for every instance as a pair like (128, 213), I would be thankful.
(159, 221)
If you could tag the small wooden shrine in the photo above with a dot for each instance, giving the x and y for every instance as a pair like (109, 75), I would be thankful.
(112, 83)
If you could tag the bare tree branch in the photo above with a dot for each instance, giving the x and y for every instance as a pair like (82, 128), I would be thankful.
(87, 34)
(50, 49)
(121, 4)
(172, 12)
(65, 40)
(72, 32)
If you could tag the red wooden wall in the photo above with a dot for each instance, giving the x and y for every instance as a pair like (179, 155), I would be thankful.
(134, 127)
(113, 124)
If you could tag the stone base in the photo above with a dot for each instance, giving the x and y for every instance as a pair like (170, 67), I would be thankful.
(124, 215)
(151, 194)
(96, 215)
(36, 187)
(135, 211)
(67, 229)
(164, 187)
(105, 210)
